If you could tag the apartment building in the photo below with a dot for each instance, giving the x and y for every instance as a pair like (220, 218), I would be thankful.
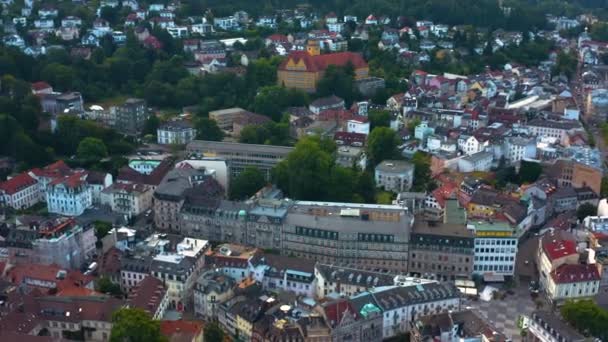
(128, 198)
(70, 195)
(545, 326)
(554, 129)
(131, 116)
(442, 251)
(175, 132)
(363, 235)
(394, 175)
(19, 192)
(151, 296)
(169, 196)
(239, 156)
(212, 289)
(57, 241)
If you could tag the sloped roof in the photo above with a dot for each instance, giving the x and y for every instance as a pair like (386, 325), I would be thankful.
(575, 273)
(17, 183)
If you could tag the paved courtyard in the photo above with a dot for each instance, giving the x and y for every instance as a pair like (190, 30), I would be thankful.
(504, 313)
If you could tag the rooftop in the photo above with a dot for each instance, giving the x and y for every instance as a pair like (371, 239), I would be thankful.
(395, 166)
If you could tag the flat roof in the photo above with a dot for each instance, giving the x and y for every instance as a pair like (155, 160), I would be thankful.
(215, 146)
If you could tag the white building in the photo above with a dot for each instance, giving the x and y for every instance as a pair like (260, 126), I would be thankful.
(357, 126)
(402, 304)
(545, 326)
(470, 145)
(394, 175)
(128, 198)
(561, 275)
(212, 288)
(226, 23)
(70, 195)
(480, 161)
(495, 249)
(284, 273)
(20, 192)
(518, 148)
(175, 132)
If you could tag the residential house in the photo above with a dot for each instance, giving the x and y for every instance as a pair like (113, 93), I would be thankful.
(69, 195)
(175, 132)
(480, 161)
(128, 198)
(212, 289)
(20, 192)
(151, 296)
(394, 175)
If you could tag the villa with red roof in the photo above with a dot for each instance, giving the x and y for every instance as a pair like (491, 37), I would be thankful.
(19, 192)
(562, 275)
(303, 69)
(69, 195)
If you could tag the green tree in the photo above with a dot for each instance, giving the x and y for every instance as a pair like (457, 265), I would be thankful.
(382, 144)
(213, 333)
(529, 171)
(411, 126)
(105, 285)
(207, 129)
(135, 325)
(379, 118)
(584, 210)
(151, 125)
(91, 149)
(247, 183)
(587, 317)
(339, 81)
(305, 173)
(422, 172)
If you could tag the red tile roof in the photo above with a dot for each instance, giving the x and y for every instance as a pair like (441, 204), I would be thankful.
(57, 169)
(37, 86)
(18, 274)
(148, 295)
(321, 62)
(444, 192)
(20, 182)
(72, 181)
(557, 246)
(575, 273)
(335, 311)
(181, 328)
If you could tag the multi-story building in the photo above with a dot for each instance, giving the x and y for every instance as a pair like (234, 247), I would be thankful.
(70, 195)
(133, 269)
(562, 276)
(351, 320)
(225, 117)
(175, 132)
(240, 156)
(443, 251)
(212, 288)
(495, 249)
(277, 272)
(128, 198)
(545, 326)
(48, 174)
(363, 235)
(151, 296)
(394, 175)
(467, 325)
(402, 304)
(178, 273)
(554, 129)
(131, 116)
(19, 192)
(303, 69)
(170, 194)
(518, 148)
(232, 260)
(575, 174)
(347, 281)
(61, 242)
(87, 317)
(480, 161)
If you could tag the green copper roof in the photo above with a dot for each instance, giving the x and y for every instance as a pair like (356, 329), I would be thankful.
(368, 309)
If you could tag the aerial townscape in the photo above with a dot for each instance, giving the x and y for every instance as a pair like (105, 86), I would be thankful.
(304, 170)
